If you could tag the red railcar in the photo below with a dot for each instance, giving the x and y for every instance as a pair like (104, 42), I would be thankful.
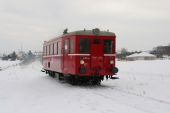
(87, 55)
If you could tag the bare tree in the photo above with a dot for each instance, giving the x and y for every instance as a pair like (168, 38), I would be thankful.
(123, 53)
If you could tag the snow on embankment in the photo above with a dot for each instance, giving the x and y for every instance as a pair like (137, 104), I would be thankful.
(25, 89)
(6, 64)
(155, 67)
(148, 79)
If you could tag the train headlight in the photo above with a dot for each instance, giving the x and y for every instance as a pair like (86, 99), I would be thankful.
(111, 61)
(81, 61)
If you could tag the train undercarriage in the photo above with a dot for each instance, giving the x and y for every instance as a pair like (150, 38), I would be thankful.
(79, 80)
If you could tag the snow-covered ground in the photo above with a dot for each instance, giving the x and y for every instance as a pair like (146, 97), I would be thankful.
(7, 63)
(143, 87)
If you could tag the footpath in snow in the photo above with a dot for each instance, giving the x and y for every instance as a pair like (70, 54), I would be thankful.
(143, 87)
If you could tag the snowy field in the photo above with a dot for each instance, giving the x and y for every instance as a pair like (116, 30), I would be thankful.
(143, 87)
(6, 64)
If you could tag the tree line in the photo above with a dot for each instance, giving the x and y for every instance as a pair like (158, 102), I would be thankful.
(17, 56)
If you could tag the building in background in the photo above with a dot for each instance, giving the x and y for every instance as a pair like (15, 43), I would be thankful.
(141, 56)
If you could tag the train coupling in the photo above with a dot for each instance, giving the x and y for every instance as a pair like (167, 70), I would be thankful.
(114, 77)
(42, 70)
(115, 70)
(111, 77)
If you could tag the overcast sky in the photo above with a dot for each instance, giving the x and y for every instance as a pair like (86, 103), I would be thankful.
(138, 24)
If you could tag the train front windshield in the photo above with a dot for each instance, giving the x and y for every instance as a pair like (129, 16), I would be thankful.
(108, 46)
(84, 46)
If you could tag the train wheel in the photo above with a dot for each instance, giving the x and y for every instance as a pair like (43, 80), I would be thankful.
(60, 76)
(95, 82)
(51, 74)
(72, 80)
(98, 82)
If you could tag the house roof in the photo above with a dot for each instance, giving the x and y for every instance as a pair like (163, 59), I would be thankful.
(143, 54)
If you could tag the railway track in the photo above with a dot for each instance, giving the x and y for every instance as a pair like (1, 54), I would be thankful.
(146, 97)
(132, 100)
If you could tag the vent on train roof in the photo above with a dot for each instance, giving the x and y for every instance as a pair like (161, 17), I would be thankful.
(65, 31)
(96, 31)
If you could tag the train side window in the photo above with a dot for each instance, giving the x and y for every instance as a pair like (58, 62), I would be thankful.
(59, 48)
(71, 46)
(84, 46)
(51, 49)
(45, 50)
(65, 46)
(55, 48)
(108, 46)
(48, 50)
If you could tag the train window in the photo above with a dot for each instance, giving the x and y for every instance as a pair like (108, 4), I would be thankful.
(84, 46)
(71, 46)
(48, 50)
(108, 45)
(55, 48)
(59, 48)
(65, 46)
(51, 49)
(45, 50)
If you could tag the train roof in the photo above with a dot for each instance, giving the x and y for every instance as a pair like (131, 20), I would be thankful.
(93, 32)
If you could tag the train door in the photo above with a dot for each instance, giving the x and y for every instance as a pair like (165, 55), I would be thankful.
(96, 55)
(65, 55)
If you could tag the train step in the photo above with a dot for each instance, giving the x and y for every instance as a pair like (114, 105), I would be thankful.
(114, 78)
